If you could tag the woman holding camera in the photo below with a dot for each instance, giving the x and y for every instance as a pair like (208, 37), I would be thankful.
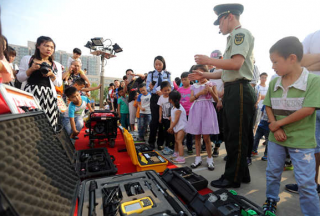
(40, 75)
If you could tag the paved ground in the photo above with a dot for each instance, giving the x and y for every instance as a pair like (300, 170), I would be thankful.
(255, 191)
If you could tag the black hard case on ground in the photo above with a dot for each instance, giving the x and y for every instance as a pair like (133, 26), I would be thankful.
(93, 167)
(184, 189)
(197, 181)
(162, 205)
(107, 167)
(37, 177)
(230, 204)
(226, 204)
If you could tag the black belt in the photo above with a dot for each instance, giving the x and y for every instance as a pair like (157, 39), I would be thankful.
(236, 82)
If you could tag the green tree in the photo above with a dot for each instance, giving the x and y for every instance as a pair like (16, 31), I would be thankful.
(95, 93)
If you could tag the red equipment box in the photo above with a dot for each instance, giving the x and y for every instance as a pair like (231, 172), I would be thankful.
(102, 125)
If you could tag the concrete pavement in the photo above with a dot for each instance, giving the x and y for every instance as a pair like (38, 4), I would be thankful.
(254, 191)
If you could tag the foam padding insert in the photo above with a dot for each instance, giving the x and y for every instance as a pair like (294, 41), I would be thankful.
(36, 174)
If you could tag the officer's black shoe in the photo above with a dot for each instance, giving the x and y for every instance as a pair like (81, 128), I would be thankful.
(224, 183)
(246, 179)
(225, 158)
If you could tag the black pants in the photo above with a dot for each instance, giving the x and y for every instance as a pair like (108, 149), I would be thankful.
(238, 103)
(154, 124)
(115, 104)
(189, 139)
(251, 136)
(170, 140)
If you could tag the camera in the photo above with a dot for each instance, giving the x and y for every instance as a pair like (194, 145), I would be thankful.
(44, 68)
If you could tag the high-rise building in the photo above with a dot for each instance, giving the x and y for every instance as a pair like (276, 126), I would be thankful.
(64, 56)
(21, 51)
(57, 56)
(84, 61)
(93, 67)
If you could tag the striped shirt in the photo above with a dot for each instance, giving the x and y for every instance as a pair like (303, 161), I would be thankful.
(303, 93)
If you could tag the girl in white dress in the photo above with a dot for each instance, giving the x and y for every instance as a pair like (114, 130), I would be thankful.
(177, 126)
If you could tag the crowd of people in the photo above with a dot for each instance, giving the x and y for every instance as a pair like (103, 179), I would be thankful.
(219, 100)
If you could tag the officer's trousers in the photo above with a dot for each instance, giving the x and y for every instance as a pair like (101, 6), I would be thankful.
(238, 112)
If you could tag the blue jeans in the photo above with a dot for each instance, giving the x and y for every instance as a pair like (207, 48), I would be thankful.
(317, 149)
(77, 120)
(260, 133)
(304, 166)
(144, 121)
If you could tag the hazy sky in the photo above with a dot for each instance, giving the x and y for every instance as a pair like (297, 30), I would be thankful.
(175, 29)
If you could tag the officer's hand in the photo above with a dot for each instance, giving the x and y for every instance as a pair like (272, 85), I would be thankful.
(195, 75)
(159, 93)
(280, 135)
(201, 59)
(274, 126)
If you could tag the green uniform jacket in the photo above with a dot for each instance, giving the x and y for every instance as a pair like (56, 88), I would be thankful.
(240, 42)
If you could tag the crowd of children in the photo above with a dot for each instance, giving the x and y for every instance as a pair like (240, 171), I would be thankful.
(285, 115)
(189, 114)
(184, 114)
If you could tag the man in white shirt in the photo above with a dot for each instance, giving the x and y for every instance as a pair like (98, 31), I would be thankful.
(262, 90)
(311, 61)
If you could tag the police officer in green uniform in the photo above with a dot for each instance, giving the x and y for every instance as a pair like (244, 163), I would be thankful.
(239, 98)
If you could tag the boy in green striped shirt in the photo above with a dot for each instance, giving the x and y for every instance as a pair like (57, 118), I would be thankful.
(290, 102)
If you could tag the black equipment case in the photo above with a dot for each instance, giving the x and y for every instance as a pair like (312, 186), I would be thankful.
(229, 203)
(197, 181)
(89, 163)
(184, 189)
(92, 163)
(102, 124)
(37, 177)
(121, 191)
(221, 202)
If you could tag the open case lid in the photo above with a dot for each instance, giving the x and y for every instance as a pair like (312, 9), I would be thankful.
(36, 174)
(131, 149)
(67, 144)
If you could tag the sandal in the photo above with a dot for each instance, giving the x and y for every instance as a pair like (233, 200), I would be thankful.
(194, 165)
